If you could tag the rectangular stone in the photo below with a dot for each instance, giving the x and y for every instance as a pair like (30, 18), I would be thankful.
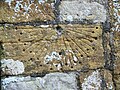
(62, 48)
(25, 10)
(79, 10)
(52, 81)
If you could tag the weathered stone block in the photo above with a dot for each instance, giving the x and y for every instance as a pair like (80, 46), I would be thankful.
(64, 48)
(53, 81)
(82, 10)
(25, 10)
(96, 80)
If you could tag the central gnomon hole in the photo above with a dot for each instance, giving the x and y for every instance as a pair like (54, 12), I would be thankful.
(59, 30)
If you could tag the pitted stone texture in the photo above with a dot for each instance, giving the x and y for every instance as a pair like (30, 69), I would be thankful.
(96, 80)
(117, 52)
(47, 49)
(82, 10)
(53, 81)
(25, 10)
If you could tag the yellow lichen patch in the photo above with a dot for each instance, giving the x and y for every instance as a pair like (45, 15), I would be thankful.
(62, 48)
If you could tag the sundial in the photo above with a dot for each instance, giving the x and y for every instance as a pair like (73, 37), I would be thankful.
(38, 37)
(62, 48)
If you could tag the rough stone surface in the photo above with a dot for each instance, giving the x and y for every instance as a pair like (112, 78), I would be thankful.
(81, 10)
(53, 81)
(96, 80)
(107, 80)
(115, 7)
(11, 67)
(25, 10)
(46, 49)
(92, 82)
(117, 81)
(117, 52)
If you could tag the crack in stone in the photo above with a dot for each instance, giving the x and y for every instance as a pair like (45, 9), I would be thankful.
(109, 55)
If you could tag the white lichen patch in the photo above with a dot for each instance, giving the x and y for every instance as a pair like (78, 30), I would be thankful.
(73, 54)
(6, 81)
(11, 67)
(9, 2)
(116, 13)
(80, 10)
(110, 86)
(93, 82)
(57, 59)
(69, 18)
(59, 66)
(52, 56)
(44, 26)
(42, 1)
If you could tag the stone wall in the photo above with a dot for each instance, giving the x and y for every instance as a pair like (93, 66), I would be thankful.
(60, 44)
